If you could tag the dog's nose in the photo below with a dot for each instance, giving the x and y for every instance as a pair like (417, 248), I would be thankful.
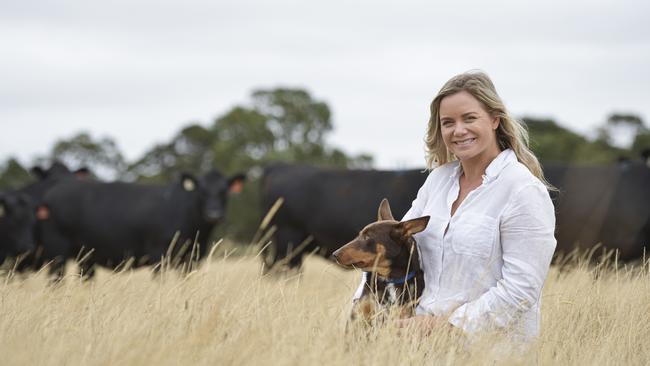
(335, 255)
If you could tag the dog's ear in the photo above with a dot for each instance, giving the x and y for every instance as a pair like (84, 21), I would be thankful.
(413, 226)
(384, 211)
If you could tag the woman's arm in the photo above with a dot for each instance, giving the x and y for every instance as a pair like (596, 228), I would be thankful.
(527, 239)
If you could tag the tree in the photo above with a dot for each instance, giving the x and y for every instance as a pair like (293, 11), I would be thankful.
(551, 142)
(277, 125)
(620, 130)
(294, 117)
(189, 151)
(13, 175)
(101, 156)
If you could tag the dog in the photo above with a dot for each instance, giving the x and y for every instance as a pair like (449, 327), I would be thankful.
(386, 250)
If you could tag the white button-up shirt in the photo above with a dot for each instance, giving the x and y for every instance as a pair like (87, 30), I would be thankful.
(488, 269)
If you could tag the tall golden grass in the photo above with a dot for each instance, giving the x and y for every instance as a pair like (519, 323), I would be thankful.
(226, 312)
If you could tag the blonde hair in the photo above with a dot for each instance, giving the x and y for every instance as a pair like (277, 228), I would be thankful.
(511, 134)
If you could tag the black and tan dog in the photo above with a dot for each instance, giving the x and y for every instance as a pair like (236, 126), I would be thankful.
(387, 251)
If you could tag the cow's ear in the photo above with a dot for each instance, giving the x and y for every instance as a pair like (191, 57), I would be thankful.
(38, 172)
(384, 212)
(236, 183)
(188, 182)
(42, 212)
(3, 211)
(409, 227)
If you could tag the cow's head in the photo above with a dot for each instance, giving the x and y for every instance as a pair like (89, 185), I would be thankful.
(212, 190)
(47, 178)
(16, 224)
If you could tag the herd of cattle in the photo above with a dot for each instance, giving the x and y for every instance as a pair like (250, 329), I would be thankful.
(66, 215)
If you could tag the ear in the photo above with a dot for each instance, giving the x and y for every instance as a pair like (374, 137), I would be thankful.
(384, 211)
(3, 211)
(188, 182)
(42, 212)
(496, 120)
(414, 226)
(236, 183)
(38, 172)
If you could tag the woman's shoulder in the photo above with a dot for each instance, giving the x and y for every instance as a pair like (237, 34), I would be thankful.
(519, 176)
(443, 171)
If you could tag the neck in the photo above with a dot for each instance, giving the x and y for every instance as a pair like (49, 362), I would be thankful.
(406, 272)
(406, 290)
(474, 168)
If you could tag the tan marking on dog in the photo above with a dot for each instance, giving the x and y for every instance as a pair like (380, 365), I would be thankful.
(381, 265)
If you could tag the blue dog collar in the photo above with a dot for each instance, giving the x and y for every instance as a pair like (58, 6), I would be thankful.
(400, 281)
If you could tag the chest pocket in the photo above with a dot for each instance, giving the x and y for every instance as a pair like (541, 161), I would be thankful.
(474, 235)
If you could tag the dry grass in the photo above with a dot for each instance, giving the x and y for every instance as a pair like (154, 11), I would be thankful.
(226, 312)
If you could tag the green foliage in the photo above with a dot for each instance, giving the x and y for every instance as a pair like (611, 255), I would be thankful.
(101, 156)
(641, 143)
(551, 142)
(189, 151)
(279, 125)
(13, 175)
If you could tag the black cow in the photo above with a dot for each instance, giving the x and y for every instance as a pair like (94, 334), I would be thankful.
(113, 222)
(16, 224)
(45, 179)
(607, 205)
(331, 205)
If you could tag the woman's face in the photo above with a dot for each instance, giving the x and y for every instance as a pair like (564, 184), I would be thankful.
(467, 128)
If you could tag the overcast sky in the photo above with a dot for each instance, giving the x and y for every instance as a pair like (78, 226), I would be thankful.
(139, 70)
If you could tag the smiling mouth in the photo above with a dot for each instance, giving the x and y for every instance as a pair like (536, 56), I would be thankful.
(465, 142)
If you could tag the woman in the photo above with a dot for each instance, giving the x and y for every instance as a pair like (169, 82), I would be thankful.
(488, 245)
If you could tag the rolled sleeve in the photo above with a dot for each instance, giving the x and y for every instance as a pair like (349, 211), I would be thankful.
(527, 240)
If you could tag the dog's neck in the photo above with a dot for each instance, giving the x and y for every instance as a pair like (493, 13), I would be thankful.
(405, 266)
(405, 283)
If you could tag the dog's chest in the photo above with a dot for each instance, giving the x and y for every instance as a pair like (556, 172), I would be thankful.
(391, 296)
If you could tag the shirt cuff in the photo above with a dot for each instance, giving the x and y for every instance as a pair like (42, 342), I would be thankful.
(457, 318)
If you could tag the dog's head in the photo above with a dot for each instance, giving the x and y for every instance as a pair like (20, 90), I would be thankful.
(385, 247)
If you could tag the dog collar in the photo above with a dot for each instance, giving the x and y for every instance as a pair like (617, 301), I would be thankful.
(400, 281)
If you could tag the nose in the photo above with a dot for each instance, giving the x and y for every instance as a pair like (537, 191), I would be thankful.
(459, 129)
(335, 255)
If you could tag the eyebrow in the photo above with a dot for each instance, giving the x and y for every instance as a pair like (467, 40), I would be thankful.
(463, 115)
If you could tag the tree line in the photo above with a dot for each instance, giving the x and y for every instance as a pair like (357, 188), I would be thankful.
(290, 125)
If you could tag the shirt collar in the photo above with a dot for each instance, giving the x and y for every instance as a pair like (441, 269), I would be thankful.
(497, 165)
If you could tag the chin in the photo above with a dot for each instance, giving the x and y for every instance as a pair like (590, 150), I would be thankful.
(466, 155)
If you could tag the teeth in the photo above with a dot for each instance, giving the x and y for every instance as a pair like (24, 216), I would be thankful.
(465, 142)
